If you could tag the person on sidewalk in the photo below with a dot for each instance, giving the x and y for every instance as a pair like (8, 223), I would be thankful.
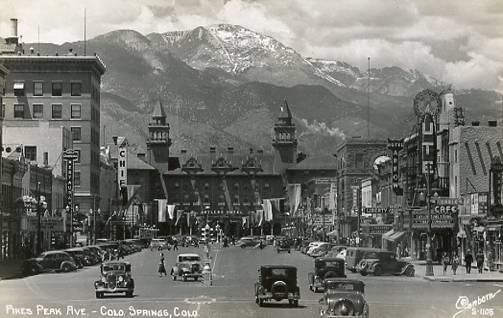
(480, 261)
(468, 261)
(445, 262)
(455, 263)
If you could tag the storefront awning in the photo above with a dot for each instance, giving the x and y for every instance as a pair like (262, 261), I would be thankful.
(393, 235)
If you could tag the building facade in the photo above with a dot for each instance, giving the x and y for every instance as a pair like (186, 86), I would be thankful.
(44, 94)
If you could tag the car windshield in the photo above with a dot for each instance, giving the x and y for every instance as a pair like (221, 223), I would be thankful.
(114, 267)
(189, 258)
(333, 264)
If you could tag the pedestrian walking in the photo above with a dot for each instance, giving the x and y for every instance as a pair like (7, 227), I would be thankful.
(175, 245)
(468, 261)
(445, 262)
(480, 261)
(162, 268)
(455, 263)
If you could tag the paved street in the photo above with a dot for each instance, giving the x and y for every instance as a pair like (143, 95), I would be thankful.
(231, 295)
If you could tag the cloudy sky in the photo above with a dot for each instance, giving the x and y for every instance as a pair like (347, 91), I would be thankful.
(460, 42)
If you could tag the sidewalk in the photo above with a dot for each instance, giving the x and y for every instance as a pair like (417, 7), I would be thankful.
(10, 269)
(461, 275)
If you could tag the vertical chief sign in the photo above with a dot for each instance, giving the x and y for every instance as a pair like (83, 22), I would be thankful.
(122, 166)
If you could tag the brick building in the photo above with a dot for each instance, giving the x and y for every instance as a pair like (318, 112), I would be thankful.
(44, 94)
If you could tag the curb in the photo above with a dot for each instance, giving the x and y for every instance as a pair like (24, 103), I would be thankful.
(452, 279)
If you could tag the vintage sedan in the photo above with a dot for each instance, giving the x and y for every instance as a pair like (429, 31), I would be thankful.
(58, 261)
(115, 278)
(187, 266)
(325, 267)
(385, 262)
(343, 298)
(277, 282)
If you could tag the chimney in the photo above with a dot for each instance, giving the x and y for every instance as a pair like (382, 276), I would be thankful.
(46, 159)
(141, 156)
(492, 123)
(230, 150)
(475, 123)
(12, 37)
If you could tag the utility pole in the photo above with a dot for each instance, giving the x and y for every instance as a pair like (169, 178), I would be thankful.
(39, 223)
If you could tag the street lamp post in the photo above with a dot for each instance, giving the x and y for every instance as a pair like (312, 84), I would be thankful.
(39, 222)
(429, 248)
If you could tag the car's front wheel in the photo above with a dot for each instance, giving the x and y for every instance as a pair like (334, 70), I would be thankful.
(129, 294)
(260, 302)
(66, 268)
(99, 295)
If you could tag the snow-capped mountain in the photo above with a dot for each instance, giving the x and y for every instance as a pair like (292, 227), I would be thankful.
(392, 81)
(241, 52)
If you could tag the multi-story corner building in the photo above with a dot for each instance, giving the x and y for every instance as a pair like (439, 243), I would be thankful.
(47, 96)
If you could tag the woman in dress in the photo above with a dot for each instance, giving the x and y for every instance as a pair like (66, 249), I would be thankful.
(162, 268)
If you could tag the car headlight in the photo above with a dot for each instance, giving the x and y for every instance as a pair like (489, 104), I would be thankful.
(121, 279)
(103, 280)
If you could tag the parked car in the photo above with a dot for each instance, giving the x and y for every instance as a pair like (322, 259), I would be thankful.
(269, 239)
(342, 255)
(49, 261)
(321, 250)
(115, 278)
(312, 246)
(247, 241)
(78, 254)
(355, 254)
(158, 244)
(325, 268)
(343, 297)
(283, 246)
(384, 262)
(187, 266)
(277, 282)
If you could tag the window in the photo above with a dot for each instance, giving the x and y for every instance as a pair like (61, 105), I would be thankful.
(19, 89)
(38, 111)
(455, 155)
(75, 111)
(77, 151)
(76, 178)
(76, 133)
(57, 89)
(38, 88)
(30, 153)
(76, 89)
(57, 111)
(18, 111)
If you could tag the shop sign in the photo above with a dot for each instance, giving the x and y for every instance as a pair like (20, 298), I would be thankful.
(378, 229)
(438, 220)
(325, 180)
(327, 219)
(376, 210)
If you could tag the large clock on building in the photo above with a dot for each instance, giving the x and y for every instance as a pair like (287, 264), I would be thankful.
(427, 101)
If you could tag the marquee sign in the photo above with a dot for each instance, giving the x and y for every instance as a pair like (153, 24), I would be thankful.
(395, 145)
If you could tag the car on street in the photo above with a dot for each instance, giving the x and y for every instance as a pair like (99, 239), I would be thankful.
(385, 262)
(324, 268)
(343, 298)
(321, 250)
(115, 278)
(49, 261)
(277, 282)
(283, 246)
(187, 265)
(247, 241)
(158, 244)
(312, 246)
(78, 255)
(355, 254)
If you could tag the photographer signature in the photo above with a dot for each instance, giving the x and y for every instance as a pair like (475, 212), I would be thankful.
(464, 304)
